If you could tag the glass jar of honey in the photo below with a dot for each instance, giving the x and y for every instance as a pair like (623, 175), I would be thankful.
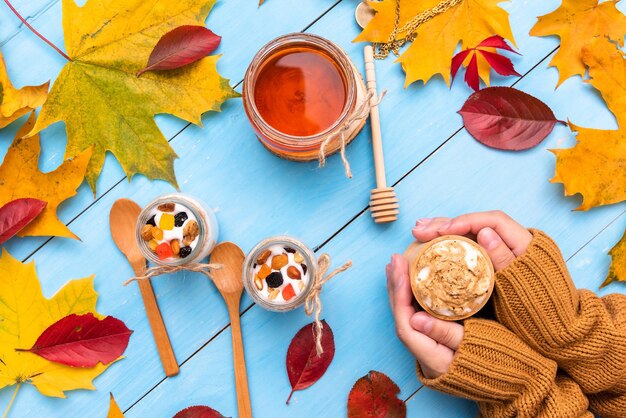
(298, 90)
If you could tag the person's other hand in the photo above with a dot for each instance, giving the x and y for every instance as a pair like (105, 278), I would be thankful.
(502, 237)
(432, 341)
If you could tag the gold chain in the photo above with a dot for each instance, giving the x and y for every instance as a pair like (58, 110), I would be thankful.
(382, 49)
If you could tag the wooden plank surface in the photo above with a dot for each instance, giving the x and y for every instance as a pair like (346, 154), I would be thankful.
(257, 195)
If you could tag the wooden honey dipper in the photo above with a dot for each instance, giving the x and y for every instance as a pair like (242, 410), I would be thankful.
(383, 201)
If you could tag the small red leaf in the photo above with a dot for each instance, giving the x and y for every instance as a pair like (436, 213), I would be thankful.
(304, 366)
(501, 64)
(16, 214)
(457, 61)
(471, 74)
(198, 412)
(82, 340)
(496, 41)
(181, 46)
(506, 118)
(375, 396)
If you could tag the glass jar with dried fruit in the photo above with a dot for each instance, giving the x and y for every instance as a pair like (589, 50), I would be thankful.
(176, 229)
(279, 273)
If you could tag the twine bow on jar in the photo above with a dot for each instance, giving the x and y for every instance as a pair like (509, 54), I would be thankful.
(313, 303)
(160, 270)
(360, 113)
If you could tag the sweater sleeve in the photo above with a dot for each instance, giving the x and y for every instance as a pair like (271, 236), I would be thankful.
(507, 378)
(586, 335)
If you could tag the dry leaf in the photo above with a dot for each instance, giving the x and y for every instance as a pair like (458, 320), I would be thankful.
(114, 409)
(104, 103)
(596, 166)
(375, 395)
(16, 214)
(20, 177)
(577, 22)
(431, 52)
(15, 103)
(26, 313)
(617, 272)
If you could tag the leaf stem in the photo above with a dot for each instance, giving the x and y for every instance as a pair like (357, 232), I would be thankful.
(17, 387)
(43, 38)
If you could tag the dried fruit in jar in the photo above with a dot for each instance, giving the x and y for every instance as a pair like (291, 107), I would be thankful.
(180, 218)
(264, 271)
(275, 279)
(153, 244)
(294, 273)
(164, 251)
(258, 283)
(288, 292)
(184, 251)
(289, 250)
(190, 232)
(157, 234)
(146, 232)
(166, 223)
(261, 259)
(272, 294)
(279, 261)
(175, 246)
(304, 268)
(151, 221)
(167, 207)
(298, 258)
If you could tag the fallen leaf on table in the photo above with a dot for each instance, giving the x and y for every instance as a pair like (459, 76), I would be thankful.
(82, 340)
(617, 271)
(198, 412)
(114, 409)
(25, 314)
(485, 53)
(507, 119)
(375, 396)
(21, 178)
(431, 52)
(16, 214)
(102, 101)
(15, 103)
(576, 22)
(596, 166)
(304, 366)
(181, 46)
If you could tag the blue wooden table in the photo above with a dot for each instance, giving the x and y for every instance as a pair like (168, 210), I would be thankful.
(437, 168)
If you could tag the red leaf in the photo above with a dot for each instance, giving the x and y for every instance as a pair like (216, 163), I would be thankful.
(457, 61)
(471, 74)
(506, 118)
(501, 64)
(198, 412)
(496, 41)
(304, 366)
(16, 214)
(181, 46)
(82, 340)
(375, 396)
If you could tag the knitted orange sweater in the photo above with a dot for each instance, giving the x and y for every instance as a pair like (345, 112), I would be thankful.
(556, 352)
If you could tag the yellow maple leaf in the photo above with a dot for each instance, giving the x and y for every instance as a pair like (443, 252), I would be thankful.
(577, 22)
(15, 103)
(20, 177)
(430, 54)
(617, 271)
(114, 409)
(104, 103)
(596, 166)
(25, 313)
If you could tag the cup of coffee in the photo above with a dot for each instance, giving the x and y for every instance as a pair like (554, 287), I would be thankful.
(452, 277)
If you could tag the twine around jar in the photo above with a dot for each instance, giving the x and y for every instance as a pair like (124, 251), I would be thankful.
(360, 113)
(160, 270)
(313, 303)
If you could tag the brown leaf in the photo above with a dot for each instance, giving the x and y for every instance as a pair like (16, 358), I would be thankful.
(304, 366)
(375, 396)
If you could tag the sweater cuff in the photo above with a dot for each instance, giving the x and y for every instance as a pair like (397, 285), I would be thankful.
(506, 377)
(535, 296)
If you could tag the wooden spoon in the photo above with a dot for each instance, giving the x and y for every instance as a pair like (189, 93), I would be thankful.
(122, 220)
(229, 282)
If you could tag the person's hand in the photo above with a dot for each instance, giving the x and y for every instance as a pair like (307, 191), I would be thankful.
(432, 341)
(502, 237)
